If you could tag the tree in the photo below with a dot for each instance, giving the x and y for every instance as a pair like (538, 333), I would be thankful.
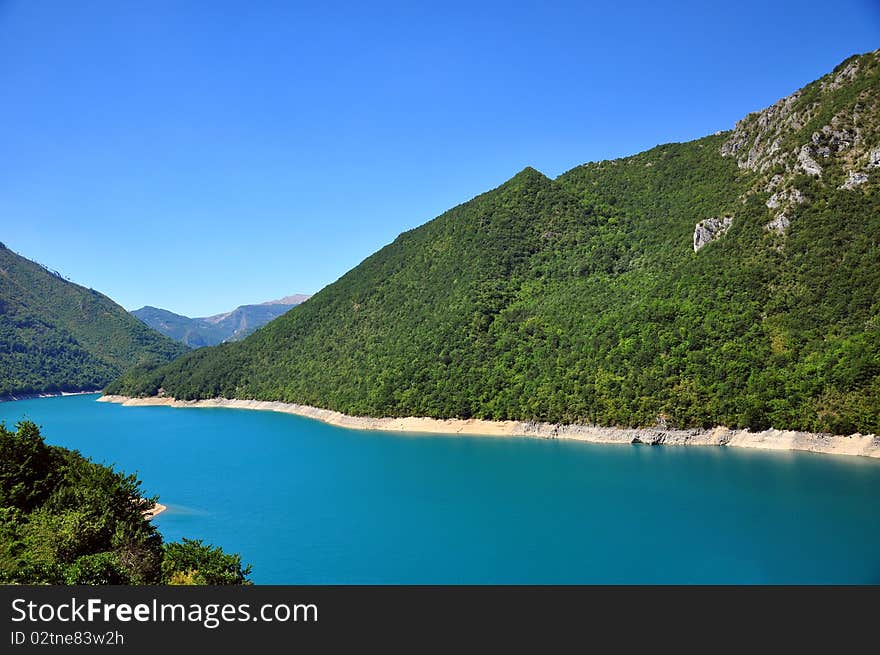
(192, 562)
(67, 520)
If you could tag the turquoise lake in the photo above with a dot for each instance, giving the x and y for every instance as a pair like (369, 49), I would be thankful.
(309, 503)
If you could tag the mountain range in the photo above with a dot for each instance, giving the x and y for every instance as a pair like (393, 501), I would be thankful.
(731, 280)
(58, 336)
(212, 330)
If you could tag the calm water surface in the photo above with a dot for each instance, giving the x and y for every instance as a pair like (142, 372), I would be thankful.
(306, 502)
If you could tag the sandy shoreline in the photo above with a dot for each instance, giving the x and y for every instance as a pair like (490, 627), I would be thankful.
(865, 445)
(27, 396)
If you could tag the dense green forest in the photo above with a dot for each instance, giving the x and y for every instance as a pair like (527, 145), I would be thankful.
(586, 299)
(67, 520)
(59, 336)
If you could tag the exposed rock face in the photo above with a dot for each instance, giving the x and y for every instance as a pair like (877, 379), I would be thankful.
(853, 180)
(779, 224)
(784, 199)
(774, 183)
(756, 137)
(846, 74)
(788, 198)
(832, 140)
(775, 137)
(710, 229)
(807, 163)
(800, 135)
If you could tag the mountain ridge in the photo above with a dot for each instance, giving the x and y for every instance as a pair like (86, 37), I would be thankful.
(58, 336)
(211, 330)
(295, 299)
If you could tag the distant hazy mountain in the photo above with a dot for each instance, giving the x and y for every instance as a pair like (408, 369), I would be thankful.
(58, 336)
(211, 330)
(295, 299)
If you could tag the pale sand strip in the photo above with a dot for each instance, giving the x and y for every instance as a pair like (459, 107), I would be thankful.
(866, 445)
(158, 508)
(29, 396)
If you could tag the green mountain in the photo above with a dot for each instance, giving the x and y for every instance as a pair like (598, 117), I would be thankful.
(59, 336)
(730, 280)
(211, 330)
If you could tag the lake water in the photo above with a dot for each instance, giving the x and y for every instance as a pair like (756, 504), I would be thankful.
(309, 503)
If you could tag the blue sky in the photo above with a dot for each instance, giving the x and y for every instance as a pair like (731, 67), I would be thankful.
(200, 155)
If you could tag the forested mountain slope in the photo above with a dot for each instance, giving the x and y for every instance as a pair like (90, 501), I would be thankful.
(730, 280)
(59, 336)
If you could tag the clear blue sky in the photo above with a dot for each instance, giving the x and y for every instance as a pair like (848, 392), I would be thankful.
(200, 155)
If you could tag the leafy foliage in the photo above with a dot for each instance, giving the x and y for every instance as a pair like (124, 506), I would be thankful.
(67, 520)
(193, 562)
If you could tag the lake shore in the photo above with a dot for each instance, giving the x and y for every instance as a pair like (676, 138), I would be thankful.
(864, 445)
(44, 394)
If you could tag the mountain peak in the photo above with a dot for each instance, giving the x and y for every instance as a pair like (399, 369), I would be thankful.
(529, 174)
(525, 181)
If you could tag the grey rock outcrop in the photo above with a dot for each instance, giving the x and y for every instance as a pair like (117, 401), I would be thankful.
(774, 183)
(755, 140)
(807, 163)
(853, 180)
(710, 229)
(787, 197)
(779, 224)
(775, 141)
(846, 74)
